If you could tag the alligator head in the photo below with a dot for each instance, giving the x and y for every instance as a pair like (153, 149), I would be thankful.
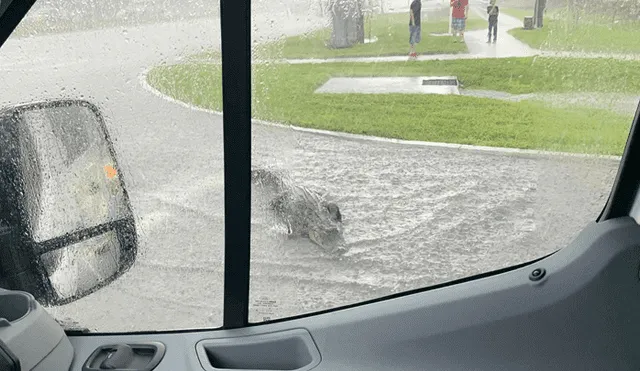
(316, 219)
(327, 231)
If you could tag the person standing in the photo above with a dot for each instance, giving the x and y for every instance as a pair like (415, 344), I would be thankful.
(493, 11)
(415, 11)
(459, 17)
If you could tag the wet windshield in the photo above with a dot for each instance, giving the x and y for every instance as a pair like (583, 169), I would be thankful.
(398, 144)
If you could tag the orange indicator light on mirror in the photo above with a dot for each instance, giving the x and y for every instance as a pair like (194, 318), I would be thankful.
(110, 171)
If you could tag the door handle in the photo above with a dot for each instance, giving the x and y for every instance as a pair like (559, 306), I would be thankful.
(126, 357)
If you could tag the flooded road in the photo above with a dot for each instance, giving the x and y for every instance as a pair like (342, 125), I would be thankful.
(414, 215)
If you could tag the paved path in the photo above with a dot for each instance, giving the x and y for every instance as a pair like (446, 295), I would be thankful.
(506, 45)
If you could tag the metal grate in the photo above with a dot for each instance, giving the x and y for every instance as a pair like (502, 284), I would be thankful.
(447, 82)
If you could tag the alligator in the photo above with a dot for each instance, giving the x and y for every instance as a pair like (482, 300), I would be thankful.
(305, 212)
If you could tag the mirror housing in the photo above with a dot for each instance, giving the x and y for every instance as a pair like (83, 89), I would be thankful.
(66, 223)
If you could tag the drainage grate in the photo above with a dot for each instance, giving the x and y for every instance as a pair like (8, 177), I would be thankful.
(447, 82)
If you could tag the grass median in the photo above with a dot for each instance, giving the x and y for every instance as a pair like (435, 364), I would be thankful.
(593, 33)
(285, 93)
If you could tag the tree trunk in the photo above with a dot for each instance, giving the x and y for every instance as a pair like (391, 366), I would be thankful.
(348, 23)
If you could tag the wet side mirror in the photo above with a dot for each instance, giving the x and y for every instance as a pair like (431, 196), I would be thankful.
(66, 223)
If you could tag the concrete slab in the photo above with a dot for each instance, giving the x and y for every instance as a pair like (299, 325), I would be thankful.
(387, 85)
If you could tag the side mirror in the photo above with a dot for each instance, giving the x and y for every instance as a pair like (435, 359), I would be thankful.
(66, 223)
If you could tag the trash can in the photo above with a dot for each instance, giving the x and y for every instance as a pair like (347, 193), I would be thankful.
(528, 23)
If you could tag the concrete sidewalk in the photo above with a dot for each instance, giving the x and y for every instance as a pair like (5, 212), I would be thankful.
(506, 45)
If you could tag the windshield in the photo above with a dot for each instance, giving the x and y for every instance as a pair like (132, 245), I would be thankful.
(398, 144)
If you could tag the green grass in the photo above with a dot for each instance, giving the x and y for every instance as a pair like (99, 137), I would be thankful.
(284, 93)
(563, 32)
(392, 32)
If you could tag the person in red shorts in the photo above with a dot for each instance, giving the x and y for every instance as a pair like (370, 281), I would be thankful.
(459, 12)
